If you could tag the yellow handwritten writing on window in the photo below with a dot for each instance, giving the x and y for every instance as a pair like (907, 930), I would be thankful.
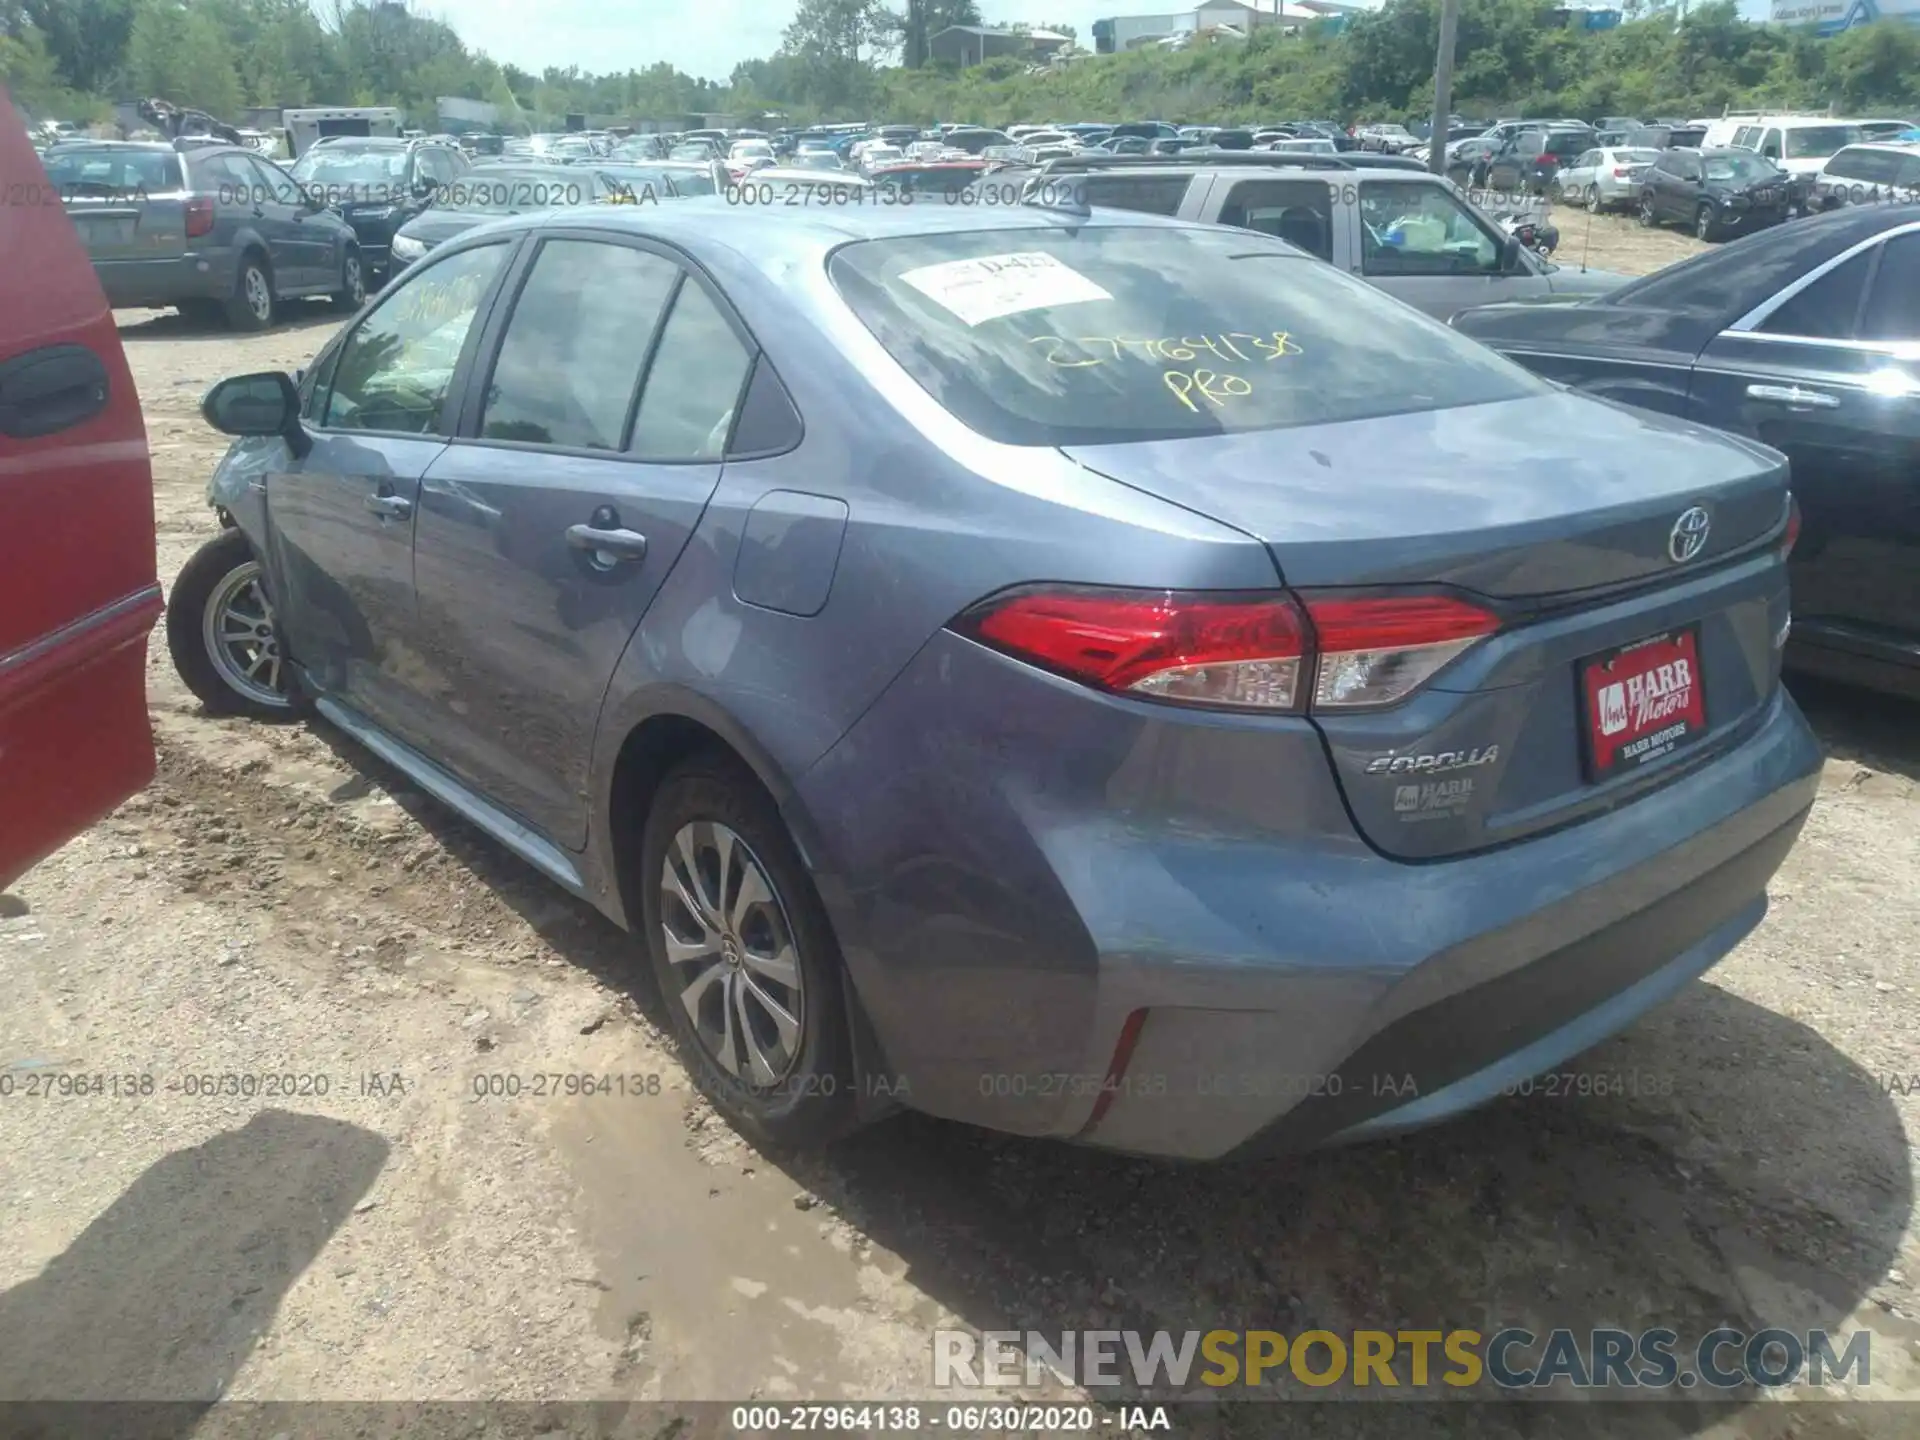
(1213, 387)
(1080, 352)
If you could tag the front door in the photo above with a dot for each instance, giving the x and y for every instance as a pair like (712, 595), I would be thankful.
(546, 529)
(342, 516)
(1420, 243)
(1830, 378)
(307, 248)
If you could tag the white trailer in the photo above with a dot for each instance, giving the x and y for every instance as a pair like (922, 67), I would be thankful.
(304, 127)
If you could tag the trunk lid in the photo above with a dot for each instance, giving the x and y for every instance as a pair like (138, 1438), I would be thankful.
(1562, 514)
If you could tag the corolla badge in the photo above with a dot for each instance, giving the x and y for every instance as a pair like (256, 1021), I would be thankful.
(1689, 535)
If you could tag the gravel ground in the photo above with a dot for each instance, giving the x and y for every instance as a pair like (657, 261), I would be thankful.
(280, 904)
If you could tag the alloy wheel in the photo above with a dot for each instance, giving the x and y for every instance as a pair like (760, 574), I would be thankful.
(259, 296)
(237, 625)
(730, 946)
(356, 281)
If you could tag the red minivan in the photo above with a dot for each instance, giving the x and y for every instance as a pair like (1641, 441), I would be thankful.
(78, 591)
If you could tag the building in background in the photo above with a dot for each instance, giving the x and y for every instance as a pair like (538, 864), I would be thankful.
(1830, 17)
(1129, 32)
(973, 44)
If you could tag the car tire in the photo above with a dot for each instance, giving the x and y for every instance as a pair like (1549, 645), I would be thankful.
(1594, 203)
(251, 307)
(713, 832)
(1703, 226)
(352, 293)
(1647, 221)
(216, 590)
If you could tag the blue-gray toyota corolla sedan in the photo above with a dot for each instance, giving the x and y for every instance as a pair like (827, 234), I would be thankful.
(1093, 676)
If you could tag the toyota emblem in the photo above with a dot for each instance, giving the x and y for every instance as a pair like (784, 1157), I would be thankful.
(1689, 535)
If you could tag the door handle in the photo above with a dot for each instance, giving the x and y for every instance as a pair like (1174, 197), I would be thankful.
(609, 545)
(390, 507)
(1794, 397)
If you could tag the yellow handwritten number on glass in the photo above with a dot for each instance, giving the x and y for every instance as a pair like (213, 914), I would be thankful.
(1213, 387)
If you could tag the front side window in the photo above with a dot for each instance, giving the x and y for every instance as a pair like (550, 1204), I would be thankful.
(1415, 229)
(574, 346)
(276, 182)
(1105, 334)
(394, 372)
(1739, 168)
(1816, 142)
(1770, 147)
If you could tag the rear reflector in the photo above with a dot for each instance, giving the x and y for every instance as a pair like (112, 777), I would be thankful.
(199, 215)
(1260, 651)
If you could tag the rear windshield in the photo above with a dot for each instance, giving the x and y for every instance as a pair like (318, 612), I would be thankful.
(113, 172)
(1105, 334)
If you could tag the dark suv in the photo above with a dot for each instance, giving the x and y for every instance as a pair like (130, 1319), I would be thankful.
(379, 185)
(1532, 157)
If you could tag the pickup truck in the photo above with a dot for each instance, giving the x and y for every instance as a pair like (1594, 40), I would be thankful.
(1410, 233)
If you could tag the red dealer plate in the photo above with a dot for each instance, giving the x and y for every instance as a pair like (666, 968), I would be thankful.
(1642, 701)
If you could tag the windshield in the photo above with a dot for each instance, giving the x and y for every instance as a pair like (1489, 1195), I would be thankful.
(336, 166)
(940, 180)
(508, 190)
(113, 172)
(1109, 334)
(1738, 167)
(1816, 142)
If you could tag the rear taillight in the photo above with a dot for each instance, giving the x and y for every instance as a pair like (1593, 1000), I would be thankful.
(1792, 536)
(199, 215)
(1264, 651)
(1375, 650)
(1620, 172)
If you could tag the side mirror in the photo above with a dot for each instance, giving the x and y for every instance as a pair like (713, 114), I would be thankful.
(1510, 254)
(267, 403)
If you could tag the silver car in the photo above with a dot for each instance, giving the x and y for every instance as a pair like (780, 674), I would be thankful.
(1606, 178)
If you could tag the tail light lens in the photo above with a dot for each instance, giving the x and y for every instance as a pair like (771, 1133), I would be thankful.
(199, 215)
(1792, 536)
(1375, 650)
(1265, 651)
(1620, 172)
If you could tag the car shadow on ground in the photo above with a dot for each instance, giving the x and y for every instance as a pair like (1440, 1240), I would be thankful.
(177, 329)
(1879, 731)
(163, 1297)
(1721, 1165)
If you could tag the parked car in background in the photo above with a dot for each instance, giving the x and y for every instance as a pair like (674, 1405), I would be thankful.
(1660, 136)
(490, 192)
(1867, 174)
(1378, 217)
(1807, 338)
(974, 140)
(216, 231)
(1605, 178)
(1799, 145)
(379, 185)
(78, 592)
(1715, 193)
(1389, 138)
(1529, 159)
(816, 160)
(1495, 767)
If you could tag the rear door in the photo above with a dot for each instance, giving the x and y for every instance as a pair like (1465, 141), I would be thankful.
(548, 526)
(77, 586)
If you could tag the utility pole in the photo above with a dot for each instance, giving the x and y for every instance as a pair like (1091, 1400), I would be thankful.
(1443, 87)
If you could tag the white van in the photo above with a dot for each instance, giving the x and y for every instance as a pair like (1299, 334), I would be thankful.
(1798, 144)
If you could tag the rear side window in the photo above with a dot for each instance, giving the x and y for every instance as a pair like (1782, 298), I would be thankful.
(1859, 163)
(1826, 309)
(1151, 194)
(1109, 334)
(107, 172)
(694, 384)
(571, 356)
(1297, 211)
(1894, 311)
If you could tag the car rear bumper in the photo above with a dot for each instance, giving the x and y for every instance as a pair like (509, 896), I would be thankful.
(197, 276)
(1092, 919)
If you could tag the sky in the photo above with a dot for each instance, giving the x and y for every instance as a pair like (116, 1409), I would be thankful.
(707, 38)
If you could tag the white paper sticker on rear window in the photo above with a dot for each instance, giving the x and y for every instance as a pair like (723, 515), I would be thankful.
(992, 286)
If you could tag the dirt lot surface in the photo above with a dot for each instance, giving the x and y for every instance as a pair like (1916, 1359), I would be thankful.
(279, 904)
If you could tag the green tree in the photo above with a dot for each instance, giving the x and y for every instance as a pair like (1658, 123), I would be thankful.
(86, 39)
